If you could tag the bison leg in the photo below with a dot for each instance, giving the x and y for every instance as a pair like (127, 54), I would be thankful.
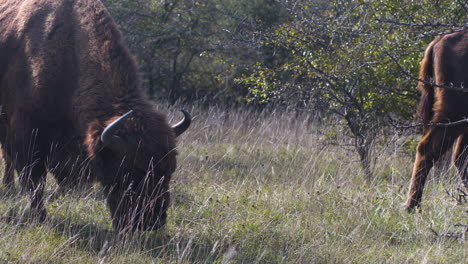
(32, 178)
(460, 158)
(29, 162)
(433, 145)
(8, 172)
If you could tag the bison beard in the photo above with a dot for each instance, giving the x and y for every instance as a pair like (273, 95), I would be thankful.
(446, 64)
(65, 78)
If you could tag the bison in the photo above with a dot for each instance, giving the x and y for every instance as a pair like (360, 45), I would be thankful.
(71, 103)
(444, 78)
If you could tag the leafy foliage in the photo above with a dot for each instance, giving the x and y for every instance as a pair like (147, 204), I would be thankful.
(193, 48)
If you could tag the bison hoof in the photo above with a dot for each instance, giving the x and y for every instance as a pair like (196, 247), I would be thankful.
(410, 208)
(407, 208)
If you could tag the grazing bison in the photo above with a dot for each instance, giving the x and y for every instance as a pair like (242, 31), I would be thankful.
(72, 104)
(445, 63)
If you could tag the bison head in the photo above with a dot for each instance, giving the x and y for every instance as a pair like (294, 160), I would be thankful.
(135, 162)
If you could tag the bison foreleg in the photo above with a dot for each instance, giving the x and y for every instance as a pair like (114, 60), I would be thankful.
(32, 179)
(9, 171)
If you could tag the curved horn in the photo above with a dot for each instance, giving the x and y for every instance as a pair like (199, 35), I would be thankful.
(180, 127)
(107, 136)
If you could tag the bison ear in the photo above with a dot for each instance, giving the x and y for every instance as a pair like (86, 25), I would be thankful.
(93, 138)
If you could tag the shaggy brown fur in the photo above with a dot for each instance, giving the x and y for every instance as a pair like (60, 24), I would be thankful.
(445, 63)
(64, 75)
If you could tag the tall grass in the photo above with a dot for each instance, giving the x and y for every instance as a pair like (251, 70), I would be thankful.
(256, 188)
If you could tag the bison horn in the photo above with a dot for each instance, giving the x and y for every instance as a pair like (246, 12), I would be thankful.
(180, 127)
(108, 137)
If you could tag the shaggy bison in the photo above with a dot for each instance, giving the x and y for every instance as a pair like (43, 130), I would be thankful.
(71, 104)
(445, 64)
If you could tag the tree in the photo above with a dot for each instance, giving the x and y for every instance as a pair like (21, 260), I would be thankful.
(192, 48)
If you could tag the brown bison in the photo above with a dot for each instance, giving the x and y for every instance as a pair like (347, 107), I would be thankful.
(445, 64)
(71, 104)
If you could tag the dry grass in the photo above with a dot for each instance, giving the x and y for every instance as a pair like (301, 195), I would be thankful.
(257, 188)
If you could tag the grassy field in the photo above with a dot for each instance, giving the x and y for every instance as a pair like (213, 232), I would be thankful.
(257, 188)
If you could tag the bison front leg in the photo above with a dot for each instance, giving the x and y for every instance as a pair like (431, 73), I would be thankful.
(32, 179)
(29, 163)
(433, 145)
(460, 158)
(8, 170)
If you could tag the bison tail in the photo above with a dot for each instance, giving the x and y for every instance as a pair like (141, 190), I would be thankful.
(425, 110)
